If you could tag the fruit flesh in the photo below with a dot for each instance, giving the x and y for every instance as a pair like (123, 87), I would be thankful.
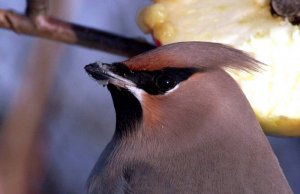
(274, 92)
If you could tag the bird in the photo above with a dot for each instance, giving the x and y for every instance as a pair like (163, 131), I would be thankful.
(183, 125)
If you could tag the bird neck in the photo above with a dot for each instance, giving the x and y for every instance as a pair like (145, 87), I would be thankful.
(128, 111)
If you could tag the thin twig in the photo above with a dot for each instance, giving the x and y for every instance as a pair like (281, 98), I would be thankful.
(54, 29)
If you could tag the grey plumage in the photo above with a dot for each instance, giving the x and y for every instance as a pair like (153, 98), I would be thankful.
(198, 135)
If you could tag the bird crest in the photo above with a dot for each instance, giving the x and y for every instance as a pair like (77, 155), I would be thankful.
(202, 55)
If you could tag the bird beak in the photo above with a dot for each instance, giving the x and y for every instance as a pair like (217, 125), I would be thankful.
(105, 74)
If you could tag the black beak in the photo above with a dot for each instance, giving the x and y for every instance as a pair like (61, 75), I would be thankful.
(97, 72)
(104, 73)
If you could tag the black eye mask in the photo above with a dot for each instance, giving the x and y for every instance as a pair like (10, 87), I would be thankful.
(155, 82)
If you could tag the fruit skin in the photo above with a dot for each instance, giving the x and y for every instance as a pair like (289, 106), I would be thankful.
(280, 126)
(247, 25)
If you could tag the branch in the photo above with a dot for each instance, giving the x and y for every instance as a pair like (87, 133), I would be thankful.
(54, 29)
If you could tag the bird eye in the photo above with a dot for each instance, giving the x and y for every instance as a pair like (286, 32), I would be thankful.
(165, 82)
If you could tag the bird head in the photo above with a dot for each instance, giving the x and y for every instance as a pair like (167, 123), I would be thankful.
(176, 86)
(180, 115)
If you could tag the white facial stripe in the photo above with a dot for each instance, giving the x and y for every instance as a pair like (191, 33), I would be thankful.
(120, 81)
(138, 93)
(172, 90)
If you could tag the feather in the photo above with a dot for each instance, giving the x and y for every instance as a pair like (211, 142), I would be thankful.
(204, 55)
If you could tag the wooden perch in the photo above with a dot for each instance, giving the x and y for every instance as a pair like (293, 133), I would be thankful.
(37, 23)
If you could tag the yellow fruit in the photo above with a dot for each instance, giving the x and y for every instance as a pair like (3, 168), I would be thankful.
(274, 93)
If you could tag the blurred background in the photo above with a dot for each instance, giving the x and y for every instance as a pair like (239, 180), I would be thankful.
(49, 105)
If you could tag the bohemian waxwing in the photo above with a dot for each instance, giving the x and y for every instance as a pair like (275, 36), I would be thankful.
(183, 126)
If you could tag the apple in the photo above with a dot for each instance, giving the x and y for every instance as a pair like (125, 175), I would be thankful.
(274, 91)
